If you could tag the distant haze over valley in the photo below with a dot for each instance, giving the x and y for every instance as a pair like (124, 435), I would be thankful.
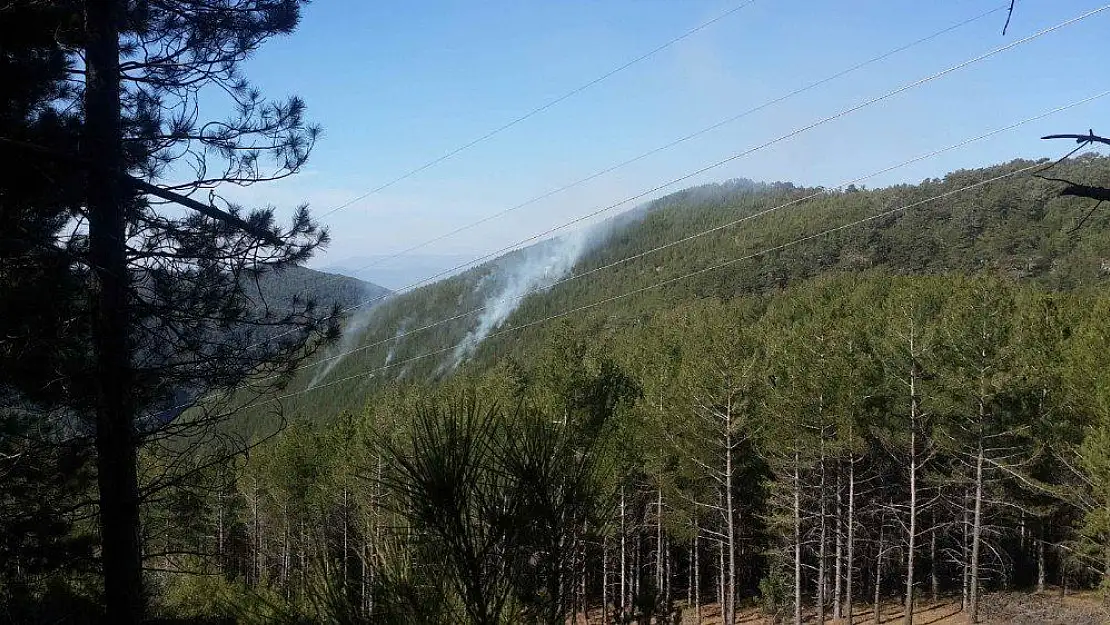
(397, 273)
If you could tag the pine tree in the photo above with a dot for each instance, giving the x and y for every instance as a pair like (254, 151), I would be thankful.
(170, 315)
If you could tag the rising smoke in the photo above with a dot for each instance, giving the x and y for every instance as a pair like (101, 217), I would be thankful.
(352, 332)
(525, 271)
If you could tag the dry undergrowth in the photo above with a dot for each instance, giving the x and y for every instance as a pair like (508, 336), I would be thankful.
(998, 609)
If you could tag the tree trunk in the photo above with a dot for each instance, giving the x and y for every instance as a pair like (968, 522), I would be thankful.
(911, 534)
(220, 559)
(624, 560)
(346, 563)
(721, 575)
(822, 540)
(659, 581)
(583, 600)
(303, 548)
(730, 525)
(1021, 525)
(934, 574)
(965, 552)
(636, 579)
(838, 570)
(367, 609)
(257, 541)
(976, 539)
(285, 557)
(849, 570)
(605, 580)
(690, 580)
(797, 539)
(1040, 560)
(879, 578)
(667, 571)
(117, 481)
(697, 574)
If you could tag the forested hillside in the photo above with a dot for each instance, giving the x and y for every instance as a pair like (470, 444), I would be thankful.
(818, 448)
(1015, 227)
(298, 283)
(902, 413)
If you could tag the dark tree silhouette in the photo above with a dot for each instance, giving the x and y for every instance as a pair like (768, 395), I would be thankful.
(41, 318)
(175, 318)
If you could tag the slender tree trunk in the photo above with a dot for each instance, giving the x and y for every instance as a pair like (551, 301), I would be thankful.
(838, 570)
(1021, 525)
(722, 574)
(1040, 560)
(659, 540)
(220, 529)
(879, 578)
(697, 573)
(822, 548)
(285, 557)
(117, 481)
(976, 539)
(689, 580)
(667, 571)
(585, 564)
(965, 552)
(637, 567)
(303, 554)
(730, 525)
(374, 558)
(364, 568)
(562, 595)
(797, 539)
(605, 580)
(849, 568)
(911, 535)
(934, 574)
(346, 563)
(624, 558)
(257, 541)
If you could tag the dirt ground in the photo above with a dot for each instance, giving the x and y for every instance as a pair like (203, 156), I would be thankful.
(1047, 608)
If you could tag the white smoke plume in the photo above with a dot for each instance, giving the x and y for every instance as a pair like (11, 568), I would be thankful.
(531, 269)
(352, 331)
(395, 342)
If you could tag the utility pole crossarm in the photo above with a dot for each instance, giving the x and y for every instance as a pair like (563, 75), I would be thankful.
(150, 189)
(1090, 137)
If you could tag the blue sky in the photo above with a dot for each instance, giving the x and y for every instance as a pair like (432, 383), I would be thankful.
(397, 84)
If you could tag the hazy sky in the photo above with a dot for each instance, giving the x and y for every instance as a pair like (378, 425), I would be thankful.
(396, 84)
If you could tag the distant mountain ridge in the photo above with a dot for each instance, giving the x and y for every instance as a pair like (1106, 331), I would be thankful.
(326, 288)
(400, 271)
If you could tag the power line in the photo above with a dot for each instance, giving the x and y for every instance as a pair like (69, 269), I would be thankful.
(565, 313)
(797, 131)
(540, 109)
(683, 139)
(717, 228)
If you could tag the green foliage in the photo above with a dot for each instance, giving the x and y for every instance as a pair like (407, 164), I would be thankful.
(500, 499)
(774, 591)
